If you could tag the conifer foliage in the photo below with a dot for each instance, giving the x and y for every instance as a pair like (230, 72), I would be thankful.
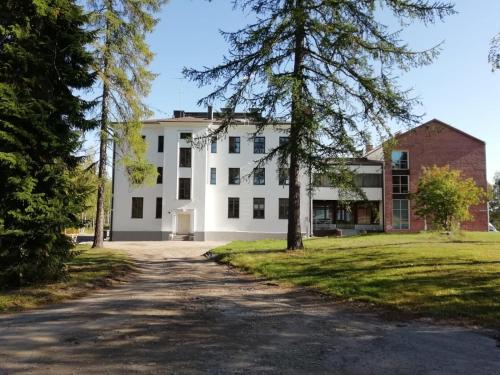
(42, 62)
(327, 66)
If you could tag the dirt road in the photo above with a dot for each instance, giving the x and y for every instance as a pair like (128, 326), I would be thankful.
(187, 315)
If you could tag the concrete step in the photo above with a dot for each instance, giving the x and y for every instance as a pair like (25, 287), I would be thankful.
(182, 237)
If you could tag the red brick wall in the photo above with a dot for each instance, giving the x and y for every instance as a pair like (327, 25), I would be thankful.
(435, 143)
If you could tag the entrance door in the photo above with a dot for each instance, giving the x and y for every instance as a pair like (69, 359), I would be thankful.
(183, 224)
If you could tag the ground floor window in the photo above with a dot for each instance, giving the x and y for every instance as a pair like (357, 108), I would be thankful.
(400, 214)
(258, 208)
(233, 208)
(158, 208)
(283, 208)
(137, 207)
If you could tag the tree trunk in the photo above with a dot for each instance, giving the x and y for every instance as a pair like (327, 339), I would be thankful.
(294, 235)
(103, 150)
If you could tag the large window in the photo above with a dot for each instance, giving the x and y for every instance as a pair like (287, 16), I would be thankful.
(137, 206)
(283, 208)
(213, 176)
(160, 143)
(213, 146)
(158, 208)
(185, 188)
(259, 176)
(234, 176)
(368, 180)
(233, 208)
(367, 213)
(234, 145)
(399, 159)
(259, 145)
(159, 176)
(400, 184)
(284, 176)
(400, 214)
(185, 157)
(258, 208)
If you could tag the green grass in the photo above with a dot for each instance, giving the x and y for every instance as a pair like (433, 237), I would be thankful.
(92, 268)
(431, 274)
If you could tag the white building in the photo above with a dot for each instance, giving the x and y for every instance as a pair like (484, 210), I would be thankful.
(206, 194)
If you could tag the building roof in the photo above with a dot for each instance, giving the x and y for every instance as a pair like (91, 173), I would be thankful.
(433, 121)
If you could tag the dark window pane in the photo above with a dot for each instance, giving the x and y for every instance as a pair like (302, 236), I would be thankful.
(259, 145)
(185, 157)
(187, 136)
(259, 176)
(158, 208)
(234, 145)
(185, 188)
(258, 208)
(283, 208)
(283, 141)
(137, 206)
(234, 176)
(233, 208)
(159, 177)
(213, 146)
(399, 159)
(213, 176)
(400, 184)
(160, 143)
(284, 176)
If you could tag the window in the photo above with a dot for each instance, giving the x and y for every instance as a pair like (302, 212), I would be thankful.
(158, 208)
(322, 180)
(258, 208)
(259, 176)
(185, 188)
(368, 180)
(213, 176)
(399, 160)
(185, 157)
(160, 143)
(159, 177)
(283, 141)
(259, 145)
(233, 208)
(234, 176)
(283, 208)
(213, 146)
(400, 184)
(400, 214)
(137, 205)
(234, 145)
(367, 213)
(284, 176)
(186, 136)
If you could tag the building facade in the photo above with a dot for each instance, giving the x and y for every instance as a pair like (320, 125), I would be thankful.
(209, 192)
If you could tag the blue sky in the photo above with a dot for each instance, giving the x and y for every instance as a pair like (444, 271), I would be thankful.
(459, 88)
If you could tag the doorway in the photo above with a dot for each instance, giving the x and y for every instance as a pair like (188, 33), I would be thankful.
(183, 224)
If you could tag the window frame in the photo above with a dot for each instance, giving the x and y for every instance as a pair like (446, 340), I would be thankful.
(161, 143)
(400, 210)
(281, 176)
(229, 176)
(159, 208)
(234, 145)
(259, 180)
(184, 197)
(281, 214)
(400, 185)
(233, 212)
(283, 140)
(187, 136)
(259, 148)
(213, 176)
(183, 162)
(213, 146)
(259, 202)
(135, 209)
(159, 177)
(395, 165)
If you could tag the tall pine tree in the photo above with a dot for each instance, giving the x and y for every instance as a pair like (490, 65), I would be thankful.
(123, 58)
(327, 67)
(43, 60)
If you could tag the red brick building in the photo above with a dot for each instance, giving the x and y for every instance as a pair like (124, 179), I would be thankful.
(432, 143)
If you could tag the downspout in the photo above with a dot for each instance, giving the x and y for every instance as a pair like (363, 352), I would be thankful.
(112, 192)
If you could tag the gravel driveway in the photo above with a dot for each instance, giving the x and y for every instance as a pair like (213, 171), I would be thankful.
(186, 315)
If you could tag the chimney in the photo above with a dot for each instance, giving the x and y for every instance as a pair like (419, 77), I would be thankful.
(210, 112)
(178, 113)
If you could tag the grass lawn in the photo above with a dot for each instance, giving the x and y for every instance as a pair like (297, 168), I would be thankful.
(90, 269)
(431, 274)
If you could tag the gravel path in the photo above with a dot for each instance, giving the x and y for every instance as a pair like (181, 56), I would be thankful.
(186, 315)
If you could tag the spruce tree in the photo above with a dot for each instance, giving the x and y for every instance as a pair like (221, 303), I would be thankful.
(326, 66)
(123, 58)
(43, 61)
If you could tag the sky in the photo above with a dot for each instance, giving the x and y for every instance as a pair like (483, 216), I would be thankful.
(459, 88)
